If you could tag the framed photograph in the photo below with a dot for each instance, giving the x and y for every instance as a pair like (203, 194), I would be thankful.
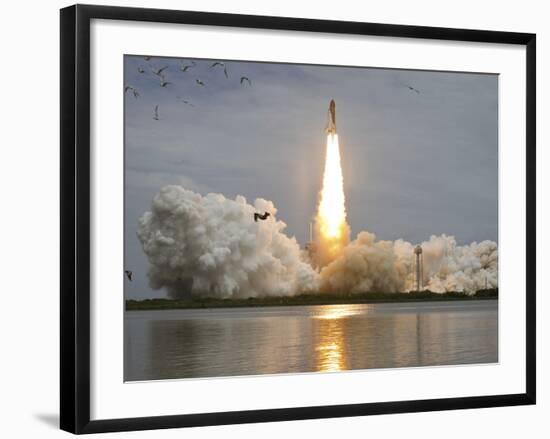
(268, 219)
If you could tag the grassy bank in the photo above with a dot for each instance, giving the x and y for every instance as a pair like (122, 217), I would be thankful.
(306, 299)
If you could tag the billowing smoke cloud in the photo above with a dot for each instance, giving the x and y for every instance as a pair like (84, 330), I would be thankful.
(389, 266)
(211, 246)
(449, 267)
(365, 265)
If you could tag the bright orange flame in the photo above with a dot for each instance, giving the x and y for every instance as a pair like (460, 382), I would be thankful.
(331, 227)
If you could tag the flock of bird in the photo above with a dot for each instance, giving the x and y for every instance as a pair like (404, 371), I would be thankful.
(184, 68)
(187, 66)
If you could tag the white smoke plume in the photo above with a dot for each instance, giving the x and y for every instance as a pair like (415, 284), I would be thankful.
(211, 246)
(468, 268)
(364, 265)
(386, 266)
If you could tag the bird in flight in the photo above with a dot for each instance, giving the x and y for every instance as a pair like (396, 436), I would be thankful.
(244, 78)
(129, 274)
(134, 91)
(221, 64)
(185, 101)
(156, 113)
(163, 82)
(411, 88)
(185, 67)
(263, 217)
(199, 82)
(158, 72)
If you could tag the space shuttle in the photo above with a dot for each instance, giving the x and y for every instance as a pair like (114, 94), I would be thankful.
(331, 122)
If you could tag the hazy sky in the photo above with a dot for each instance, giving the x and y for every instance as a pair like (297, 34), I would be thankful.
(414, 164)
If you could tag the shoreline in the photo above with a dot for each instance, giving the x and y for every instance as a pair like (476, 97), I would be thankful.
(305, 299)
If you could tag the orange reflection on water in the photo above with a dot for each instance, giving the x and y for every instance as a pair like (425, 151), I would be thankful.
(334, 312)
(330, 348)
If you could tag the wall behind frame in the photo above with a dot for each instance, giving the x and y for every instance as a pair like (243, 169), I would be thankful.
(29, 179)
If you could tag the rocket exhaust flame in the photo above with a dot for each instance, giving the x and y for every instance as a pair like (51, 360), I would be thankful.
(332, 210)
(332, 230)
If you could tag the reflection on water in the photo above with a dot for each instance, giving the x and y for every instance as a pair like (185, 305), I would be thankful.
(329, 344)
(326, 338)
(337, 312)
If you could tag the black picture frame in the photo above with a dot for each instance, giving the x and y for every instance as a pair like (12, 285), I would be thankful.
(75, 217)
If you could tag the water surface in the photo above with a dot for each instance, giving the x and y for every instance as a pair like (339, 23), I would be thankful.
(243, 341)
